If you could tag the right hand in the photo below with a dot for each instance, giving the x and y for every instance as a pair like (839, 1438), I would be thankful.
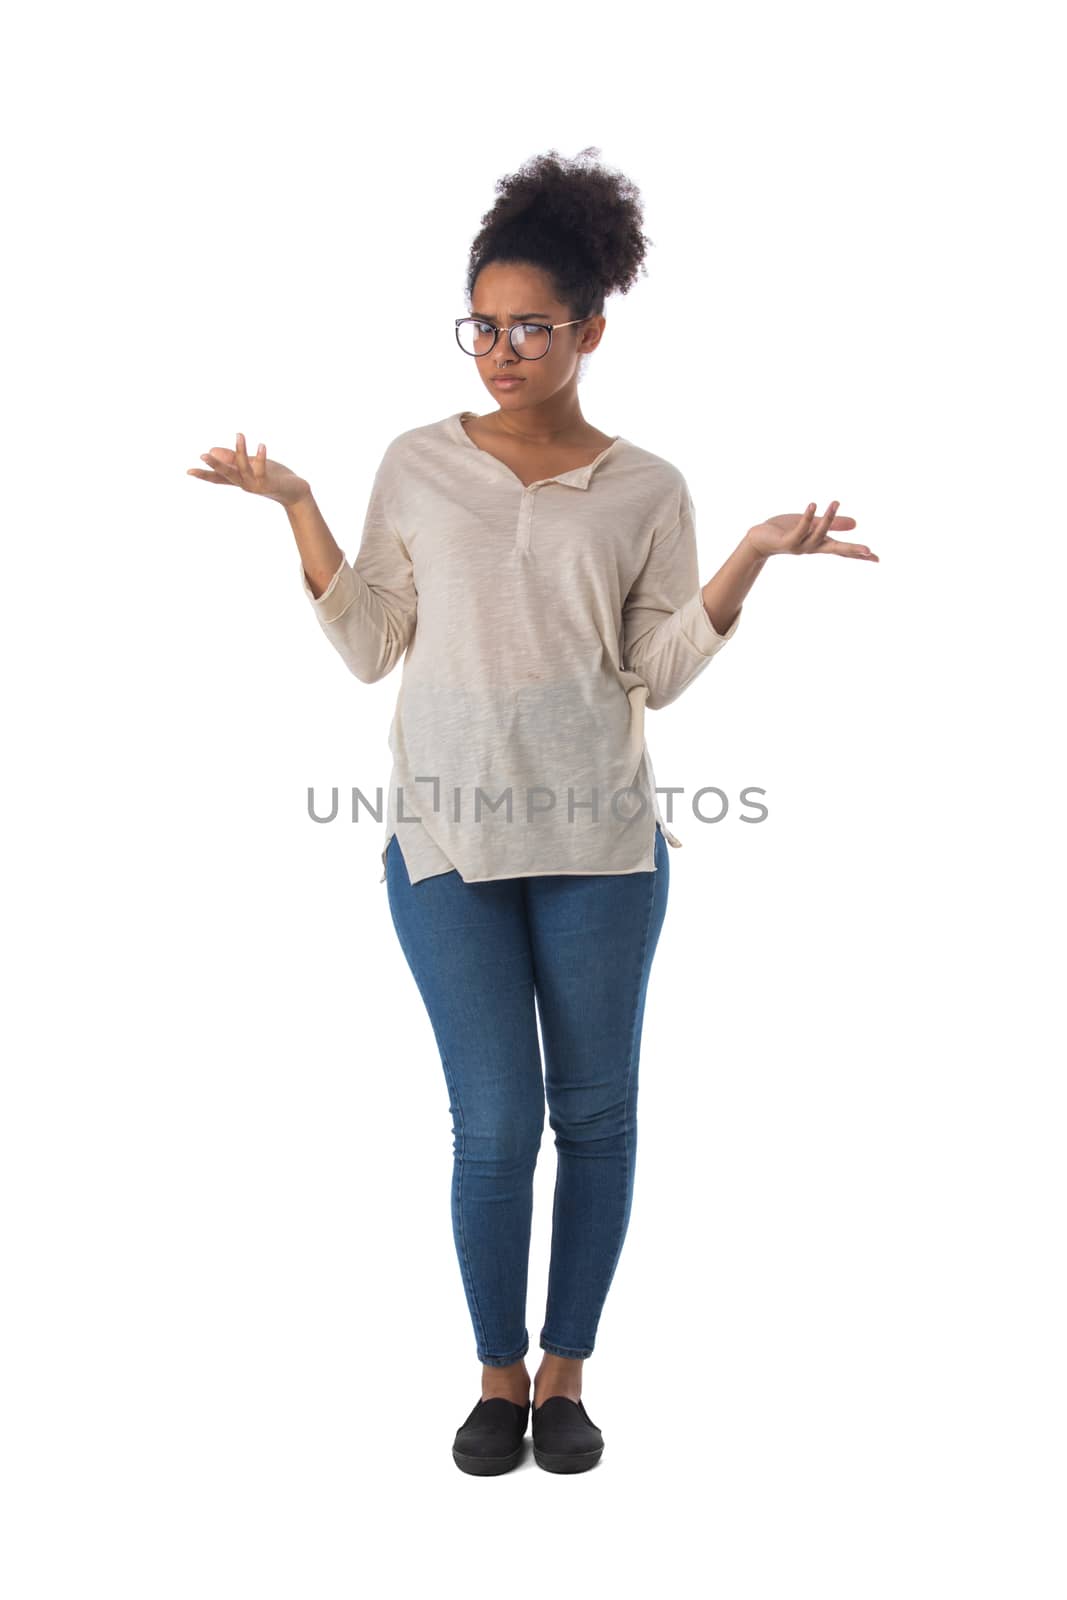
(257, 476)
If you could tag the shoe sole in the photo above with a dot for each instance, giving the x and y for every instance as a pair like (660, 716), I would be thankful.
(486, 1466)
(571, 1461)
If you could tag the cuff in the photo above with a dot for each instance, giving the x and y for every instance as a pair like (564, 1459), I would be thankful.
(338, 595)
(698, 629)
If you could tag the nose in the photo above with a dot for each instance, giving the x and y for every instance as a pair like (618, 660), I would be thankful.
(502, 357)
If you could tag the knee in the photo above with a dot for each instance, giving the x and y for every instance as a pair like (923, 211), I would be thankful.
(604, 1131)
(509, 1139)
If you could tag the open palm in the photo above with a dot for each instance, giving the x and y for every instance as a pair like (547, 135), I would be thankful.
(800, 535)
(255, 474)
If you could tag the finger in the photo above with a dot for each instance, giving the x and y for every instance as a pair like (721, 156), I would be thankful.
(835, 547)
(217, 459)
(813, 532)
(259, 461)
(241, 455)
(831, 513)
(208, 477)
(822, 527)
(802, 529)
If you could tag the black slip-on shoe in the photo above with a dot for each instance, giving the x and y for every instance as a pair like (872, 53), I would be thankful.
(491, 1438)
(565, 1439)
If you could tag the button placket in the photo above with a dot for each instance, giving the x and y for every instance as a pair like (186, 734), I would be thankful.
(526, 510)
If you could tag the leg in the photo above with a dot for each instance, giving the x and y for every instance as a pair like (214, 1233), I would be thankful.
(468, 948)
(593, 942)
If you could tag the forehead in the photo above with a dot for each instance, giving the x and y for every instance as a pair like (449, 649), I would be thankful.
(513, 289)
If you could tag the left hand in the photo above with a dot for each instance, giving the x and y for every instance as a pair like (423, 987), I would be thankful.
(795, 535)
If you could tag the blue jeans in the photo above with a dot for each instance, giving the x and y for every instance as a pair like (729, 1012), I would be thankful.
(480, 953)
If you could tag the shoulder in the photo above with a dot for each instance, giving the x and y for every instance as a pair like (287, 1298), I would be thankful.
(426, 441)
(655, 483)
(441, 431)
(656, 468)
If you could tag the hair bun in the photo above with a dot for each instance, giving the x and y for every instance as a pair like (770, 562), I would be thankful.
(576, 220)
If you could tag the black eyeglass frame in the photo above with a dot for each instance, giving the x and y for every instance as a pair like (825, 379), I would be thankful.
(549, 327)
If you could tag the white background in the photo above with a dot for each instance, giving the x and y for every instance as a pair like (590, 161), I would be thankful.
(235, 1347)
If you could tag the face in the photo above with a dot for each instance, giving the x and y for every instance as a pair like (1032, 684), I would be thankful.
(507, 295)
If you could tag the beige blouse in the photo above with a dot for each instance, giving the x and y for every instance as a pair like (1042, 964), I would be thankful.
(539, 621)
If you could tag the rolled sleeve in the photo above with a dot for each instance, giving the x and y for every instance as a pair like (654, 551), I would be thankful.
(369, 608)
(668, 637)
(338, 594)
(699, 628)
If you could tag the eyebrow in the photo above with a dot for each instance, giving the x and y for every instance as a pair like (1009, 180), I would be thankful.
(516, 316)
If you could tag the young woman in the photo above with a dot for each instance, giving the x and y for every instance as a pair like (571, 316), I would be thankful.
(540, 579)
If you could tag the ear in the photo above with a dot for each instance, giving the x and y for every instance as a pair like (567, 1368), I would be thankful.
(591, 335)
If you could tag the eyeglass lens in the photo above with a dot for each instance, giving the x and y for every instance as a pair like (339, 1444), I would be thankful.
(530, 339)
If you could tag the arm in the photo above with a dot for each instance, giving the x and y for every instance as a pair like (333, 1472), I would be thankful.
(367, 609)
(724, 593)
(320, 554)
(669, 636)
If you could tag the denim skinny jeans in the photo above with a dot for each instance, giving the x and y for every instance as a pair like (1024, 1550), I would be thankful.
(482, 954)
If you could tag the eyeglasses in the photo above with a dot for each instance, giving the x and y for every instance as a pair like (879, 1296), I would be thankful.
(530, 341)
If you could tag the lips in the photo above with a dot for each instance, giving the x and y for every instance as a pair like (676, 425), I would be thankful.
(508, 380)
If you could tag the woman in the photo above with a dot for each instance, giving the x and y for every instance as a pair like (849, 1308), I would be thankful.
(540, 579)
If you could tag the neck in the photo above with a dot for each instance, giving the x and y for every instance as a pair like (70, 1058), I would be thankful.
(553, 422)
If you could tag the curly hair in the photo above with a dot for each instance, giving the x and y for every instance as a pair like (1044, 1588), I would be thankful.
(580, 223)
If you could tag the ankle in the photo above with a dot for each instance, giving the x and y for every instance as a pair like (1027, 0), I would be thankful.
(558, 1375)
(511, 1382)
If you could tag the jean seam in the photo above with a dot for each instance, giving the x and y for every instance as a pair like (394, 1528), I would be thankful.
(465, 1254)
(629, 1075)
(465, 1265)
(653, 883)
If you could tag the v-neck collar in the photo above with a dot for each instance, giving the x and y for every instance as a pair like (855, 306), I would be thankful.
(577, 477)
